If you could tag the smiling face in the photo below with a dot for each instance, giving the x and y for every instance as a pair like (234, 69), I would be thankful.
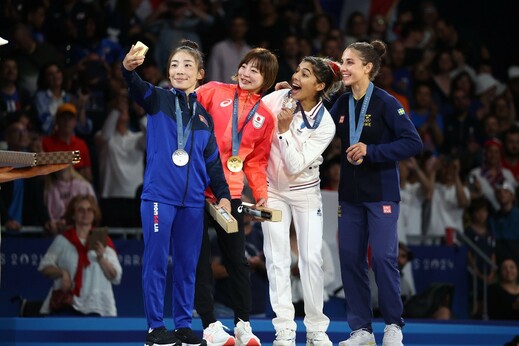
(250, 77)
(305, 85)
(184, 72)
(353, 69)
(508, 271)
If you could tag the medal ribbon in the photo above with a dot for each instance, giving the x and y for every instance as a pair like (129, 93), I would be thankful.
(182, 136)
(355, 131)
(237, 135)
(318, 117)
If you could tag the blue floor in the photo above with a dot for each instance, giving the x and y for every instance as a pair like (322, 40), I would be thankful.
(131, 331)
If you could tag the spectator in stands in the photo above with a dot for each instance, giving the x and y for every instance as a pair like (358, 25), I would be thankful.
(121, 160)
(226, 54)
(31, 56)
(402, 75)
(356, 28)
(427, 119)
(21, 200)
(289, 58)
(439, 309)
(462, 131)
(14, 100)
(384, 80)
(85, 273)
(505, 223)
(51, 94)
(442, 67)
(318, 27)
(486, 92)
(173, 21)
(331, 48)
(331, 173)
(415, 189)
(511, 150)
(503, 296)
(63, 138)
(268, 28)
(491, 173)
(60, 188)
(377, 29)
(513, 86)
(479, 232)
(94, 45)
(35, 18)
(449, 198)
(124, 25)
(500, 108)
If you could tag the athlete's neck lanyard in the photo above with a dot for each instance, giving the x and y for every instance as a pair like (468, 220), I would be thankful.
(318, 117)
(237, 135)
(183, 135)
(356, 130)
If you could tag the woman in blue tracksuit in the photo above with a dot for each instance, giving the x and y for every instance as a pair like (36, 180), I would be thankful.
(375, 133)
(182, 159)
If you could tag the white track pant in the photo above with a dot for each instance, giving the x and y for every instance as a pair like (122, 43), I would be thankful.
(305, 208)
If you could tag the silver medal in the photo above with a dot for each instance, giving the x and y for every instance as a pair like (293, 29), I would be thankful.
(180, 157)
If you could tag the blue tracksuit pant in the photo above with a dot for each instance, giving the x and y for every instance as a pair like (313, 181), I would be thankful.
(372, 223)
(166, 230)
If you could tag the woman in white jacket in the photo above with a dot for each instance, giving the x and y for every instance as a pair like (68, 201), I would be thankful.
(303, 131)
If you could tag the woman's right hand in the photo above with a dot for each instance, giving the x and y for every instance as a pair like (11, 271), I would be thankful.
(132, 61)
(282, 85)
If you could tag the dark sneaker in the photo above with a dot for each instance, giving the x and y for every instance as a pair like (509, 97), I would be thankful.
(161, 337)
(188, 338)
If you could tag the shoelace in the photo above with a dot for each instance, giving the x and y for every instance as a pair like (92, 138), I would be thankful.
(246, 326)
(284, 334)
(357, 333)
(391, 331)
(319, 336)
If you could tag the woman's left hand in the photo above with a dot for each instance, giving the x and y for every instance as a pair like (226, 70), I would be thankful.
(100, 250)
(356, 152)
(262, 202)
(225, 204)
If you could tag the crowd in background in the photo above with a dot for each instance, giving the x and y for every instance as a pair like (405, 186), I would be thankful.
(61, 88)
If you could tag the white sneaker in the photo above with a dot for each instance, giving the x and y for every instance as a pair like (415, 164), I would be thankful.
(317, 339)
(215, 335)
(392, 335)
(359, 337)
(243, 335)
(285, 337)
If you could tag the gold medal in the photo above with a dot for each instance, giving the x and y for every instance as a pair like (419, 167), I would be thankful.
(180, 157)
(234, 163)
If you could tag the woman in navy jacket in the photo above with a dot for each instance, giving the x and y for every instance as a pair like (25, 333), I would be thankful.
(376, 133)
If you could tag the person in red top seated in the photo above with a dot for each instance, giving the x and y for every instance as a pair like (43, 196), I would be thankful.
(63, 139)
